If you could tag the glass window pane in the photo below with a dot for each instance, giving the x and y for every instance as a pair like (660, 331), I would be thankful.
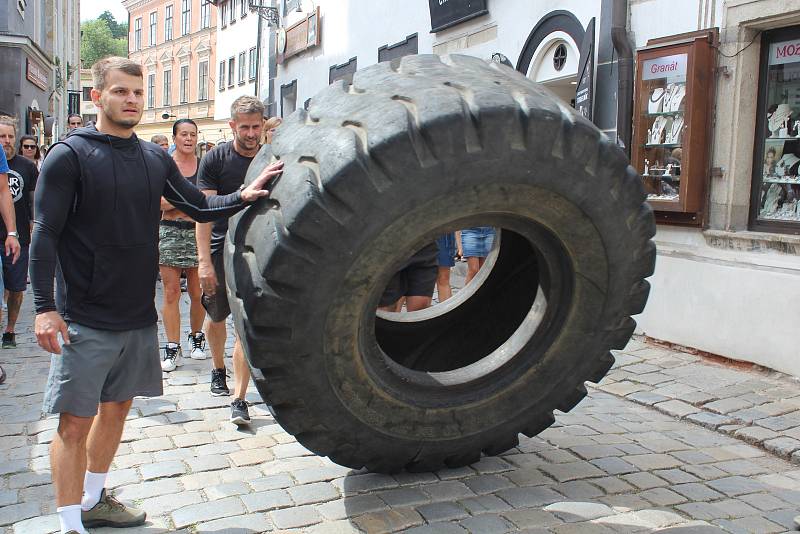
(664, 84)
(779, 195)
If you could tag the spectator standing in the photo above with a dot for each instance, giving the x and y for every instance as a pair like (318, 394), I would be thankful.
(160, 140)
(177, 250)
(222, 171)
(477, 243)
(97, 210)
(449, 247)
(414, 282)
(29, 148)
(22, 176)
(74, 121)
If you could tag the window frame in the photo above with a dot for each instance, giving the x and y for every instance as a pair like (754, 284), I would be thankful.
(205, 14)
(202, 81)
(222, 70)
(153, 33)
(166, 85)
(232, 11)
(87, 94)
(231, 71)
(243, 11)
(242, 78)
(137, 34)
(183, 85)
(223, 15)
(169, 22)
(151, 90)
(253, 63)
(186, 17)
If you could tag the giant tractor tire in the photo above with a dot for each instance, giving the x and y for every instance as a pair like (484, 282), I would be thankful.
(373, 172)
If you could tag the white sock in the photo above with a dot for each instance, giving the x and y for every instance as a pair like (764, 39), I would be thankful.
(70, 518)
(93, 484)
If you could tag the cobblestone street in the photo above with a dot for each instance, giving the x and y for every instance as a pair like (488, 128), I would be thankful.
(668, 442)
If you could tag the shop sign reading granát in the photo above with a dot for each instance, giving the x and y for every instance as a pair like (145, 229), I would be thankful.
(784, 52)
(36, 74)
(665, 67)
(447, 13)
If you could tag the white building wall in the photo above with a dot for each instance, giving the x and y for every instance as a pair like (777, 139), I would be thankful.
(358, 29)
(235, 38)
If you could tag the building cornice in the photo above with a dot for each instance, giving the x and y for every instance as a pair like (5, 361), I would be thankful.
(25, 42)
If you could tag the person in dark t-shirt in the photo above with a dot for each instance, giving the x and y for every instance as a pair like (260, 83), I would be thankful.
(22, 178)
(222, 171)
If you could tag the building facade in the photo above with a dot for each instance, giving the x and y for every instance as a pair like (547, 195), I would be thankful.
(238, 31)
(175, 41)
(704, 95)
(88, 109)
(40, 55)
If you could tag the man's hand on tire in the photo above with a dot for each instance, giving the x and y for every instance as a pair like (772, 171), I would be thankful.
(256, 189)
(208, 277)
(47, 327)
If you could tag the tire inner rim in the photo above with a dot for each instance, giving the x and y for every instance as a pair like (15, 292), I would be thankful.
(504, 318)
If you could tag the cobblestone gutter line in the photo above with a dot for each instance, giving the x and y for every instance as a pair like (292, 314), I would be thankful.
(761, 408)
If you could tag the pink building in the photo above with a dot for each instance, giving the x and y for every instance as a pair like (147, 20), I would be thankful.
(175, 41)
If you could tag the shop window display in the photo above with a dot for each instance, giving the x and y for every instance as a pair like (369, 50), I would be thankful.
(776, 180)
(671, 126)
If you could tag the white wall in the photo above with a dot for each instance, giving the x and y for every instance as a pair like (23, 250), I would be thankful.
(351, 28)
(238, 37)
(725, 300)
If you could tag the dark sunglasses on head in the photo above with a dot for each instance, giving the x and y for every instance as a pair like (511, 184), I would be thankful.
(29, 146)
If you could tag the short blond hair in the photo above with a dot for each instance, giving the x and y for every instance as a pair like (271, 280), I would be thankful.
(273, 122)
(7, 120)
(246, 105)
(101, 69)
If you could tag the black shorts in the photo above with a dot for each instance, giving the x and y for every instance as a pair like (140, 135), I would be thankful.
(417, 278)
(217, 305)
(15, 275)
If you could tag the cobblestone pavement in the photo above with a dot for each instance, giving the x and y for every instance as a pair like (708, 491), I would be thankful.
(668, 442)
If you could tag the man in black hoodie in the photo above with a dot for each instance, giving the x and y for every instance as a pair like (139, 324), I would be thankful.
(97, 209)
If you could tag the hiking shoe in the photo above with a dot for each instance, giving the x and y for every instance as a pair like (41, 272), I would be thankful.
(219, 388)
(239, 414)
(9, 340)
(109, 512)
(172, 357)
(198, 341)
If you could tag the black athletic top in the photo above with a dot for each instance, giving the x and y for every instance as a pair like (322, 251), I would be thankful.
(22, 176)
(222, 170)
(97, 208)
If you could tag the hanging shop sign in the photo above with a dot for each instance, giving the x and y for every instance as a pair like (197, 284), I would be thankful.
(584, 93)
(447, 13)
(784, 52)
(36, 74)
(299, 37)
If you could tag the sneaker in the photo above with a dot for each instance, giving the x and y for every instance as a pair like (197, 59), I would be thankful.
(219, 388)
(172, 357)
(109, 512)
(198, 341)
(9, 340)
(2, 374)
(239, 414)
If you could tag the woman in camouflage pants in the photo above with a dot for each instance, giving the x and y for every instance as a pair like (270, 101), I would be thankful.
(178, 252)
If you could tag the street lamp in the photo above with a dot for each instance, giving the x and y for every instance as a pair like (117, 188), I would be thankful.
(166, 116)
(266, 11)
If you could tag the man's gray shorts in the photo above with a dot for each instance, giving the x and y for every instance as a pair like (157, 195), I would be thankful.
(103, 366)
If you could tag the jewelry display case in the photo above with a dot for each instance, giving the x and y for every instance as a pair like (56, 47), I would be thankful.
(775, 202)
(673, 99)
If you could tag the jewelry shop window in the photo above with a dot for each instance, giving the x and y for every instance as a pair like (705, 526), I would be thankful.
(775, 203)
(671, 130)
